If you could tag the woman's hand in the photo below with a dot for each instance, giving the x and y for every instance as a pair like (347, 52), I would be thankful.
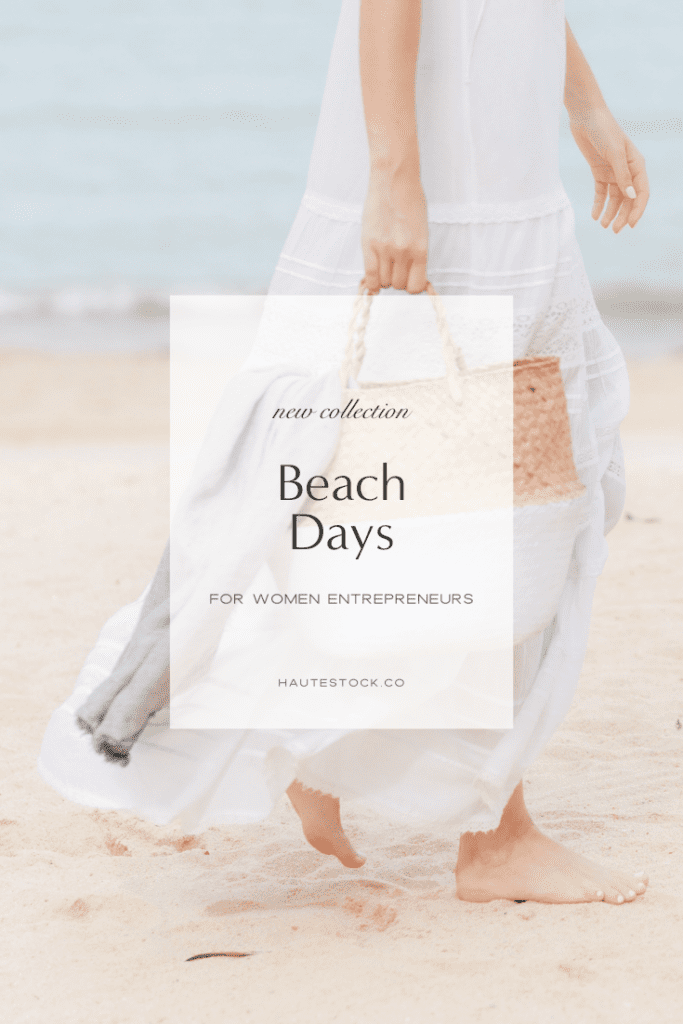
(617, 166)
(394, 234)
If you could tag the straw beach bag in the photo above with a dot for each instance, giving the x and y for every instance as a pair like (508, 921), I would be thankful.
(474, 475)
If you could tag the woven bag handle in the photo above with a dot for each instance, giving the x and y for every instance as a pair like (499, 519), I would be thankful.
(355, 346)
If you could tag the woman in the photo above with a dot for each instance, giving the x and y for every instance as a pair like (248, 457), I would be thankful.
(501, 222)
(479, 208)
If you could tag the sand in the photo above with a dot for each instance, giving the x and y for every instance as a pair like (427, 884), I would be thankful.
(100, 911)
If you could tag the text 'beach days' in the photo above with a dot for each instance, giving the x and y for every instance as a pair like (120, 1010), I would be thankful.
(339, 537)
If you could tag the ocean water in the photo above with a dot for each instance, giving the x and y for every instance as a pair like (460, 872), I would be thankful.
(157, 147)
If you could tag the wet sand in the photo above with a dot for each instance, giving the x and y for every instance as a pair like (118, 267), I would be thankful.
(101, 910)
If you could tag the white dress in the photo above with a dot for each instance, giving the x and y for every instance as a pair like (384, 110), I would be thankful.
(490, 80)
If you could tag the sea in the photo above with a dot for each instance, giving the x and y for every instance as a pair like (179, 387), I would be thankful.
(156, 147)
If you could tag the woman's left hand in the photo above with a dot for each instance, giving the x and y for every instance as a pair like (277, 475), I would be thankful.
(617, 166)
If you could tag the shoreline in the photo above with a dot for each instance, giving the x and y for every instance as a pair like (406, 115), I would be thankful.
(646, 319)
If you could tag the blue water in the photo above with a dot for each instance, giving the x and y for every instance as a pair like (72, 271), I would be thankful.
(162, 145)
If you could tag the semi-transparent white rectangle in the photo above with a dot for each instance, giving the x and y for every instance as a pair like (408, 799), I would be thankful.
(379, 599)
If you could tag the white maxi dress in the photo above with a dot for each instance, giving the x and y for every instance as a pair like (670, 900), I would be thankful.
(490, 80)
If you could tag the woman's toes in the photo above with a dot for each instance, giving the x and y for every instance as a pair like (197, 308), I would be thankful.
(611, 895)
(628, 887)
(591, 892)
(345, 853)
(619, 895)
(614, 884)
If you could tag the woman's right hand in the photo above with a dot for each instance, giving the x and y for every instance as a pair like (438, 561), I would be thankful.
(394, 233)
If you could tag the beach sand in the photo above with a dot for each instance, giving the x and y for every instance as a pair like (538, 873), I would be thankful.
(100, 911)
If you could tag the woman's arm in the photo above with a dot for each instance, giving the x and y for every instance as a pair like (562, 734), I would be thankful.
(617, 166)
(394, 233)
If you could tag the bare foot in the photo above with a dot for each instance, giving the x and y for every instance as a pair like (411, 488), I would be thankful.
(517, 862)
(322, 825)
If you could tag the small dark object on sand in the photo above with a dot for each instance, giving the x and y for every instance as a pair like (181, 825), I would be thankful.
(678, 723)
(203, 956)
(639, 519)
(520, 901)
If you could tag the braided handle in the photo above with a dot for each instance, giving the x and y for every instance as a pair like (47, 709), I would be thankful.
(355, 347)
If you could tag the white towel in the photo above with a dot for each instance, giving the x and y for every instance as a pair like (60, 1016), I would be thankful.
(227, 523)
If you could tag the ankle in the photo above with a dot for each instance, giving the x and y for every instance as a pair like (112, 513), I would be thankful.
(497, 846)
